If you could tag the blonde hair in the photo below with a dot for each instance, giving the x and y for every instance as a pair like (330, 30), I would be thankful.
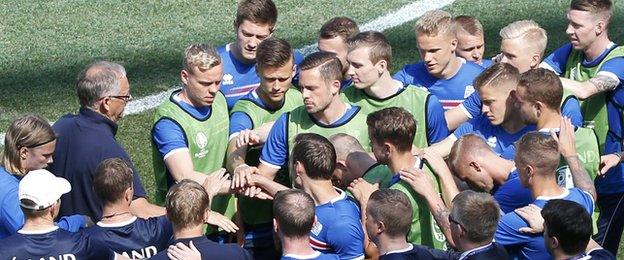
(436, 22)
(529, 31)
(29, 131)
(469, 25)
(200, 55)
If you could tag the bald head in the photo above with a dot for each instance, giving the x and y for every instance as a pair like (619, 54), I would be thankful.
(465, 150)
(345, 145)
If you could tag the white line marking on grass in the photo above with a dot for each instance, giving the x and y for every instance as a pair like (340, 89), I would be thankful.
(403, 15)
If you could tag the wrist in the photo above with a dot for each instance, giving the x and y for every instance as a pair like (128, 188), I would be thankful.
(619, 156)
(239, 166)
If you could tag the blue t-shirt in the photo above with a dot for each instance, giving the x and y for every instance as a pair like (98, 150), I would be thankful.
(316, 256)
(275, 149)
(338, 229)
(451, 92)
(136, 238)
(54, 243)
(512, 195)
(210, 250)
(168, 135)
(240, 78)
(570, 108)
(240, 121)
(83, 142)
(613, 181)
(494, 135)
(531, 246)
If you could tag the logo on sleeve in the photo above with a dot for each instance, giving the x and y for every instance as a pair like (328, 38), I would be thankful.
(316, 228)
(468, 91)
(491, 141)
(228, 79)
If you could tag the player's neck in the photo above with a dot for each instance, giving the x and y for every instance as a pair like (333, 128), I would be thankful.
(594, 50)
(451, 69)
(322, 191)
(546, 187)
(501, 169)
(384, 87)
(191, 232)
(297, 246)
(389, 244)
(334, 111)
(267, 101)
(400, 161)
(116, 213)
(235, 49)
(513, 124)
(40, 223)
(549, 119)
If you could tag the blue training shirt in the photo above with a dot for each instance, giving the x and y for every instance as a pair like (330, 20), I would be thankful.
(512, 195)
(338, 229)
(570, 108)
(240, 78)
(613, 180)
(494, 135)
(451, 92)
(210, 250)
(135, 238)
(531, 246)
(486, 63)
(316, 256)
(275, 149)
(53, 243)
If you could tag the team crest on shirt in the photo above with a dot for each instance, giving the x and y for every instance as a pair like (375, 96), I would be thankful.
(491, 141)
(316, 228)
(468, 91)
(228, 79)
(201, 141)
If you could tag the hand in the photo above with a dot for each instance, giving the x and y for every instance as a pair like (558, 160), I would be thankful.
(420, 181)
(566, 139)
(242, 175)
(436, 162)
(255, 192)
(607, 162)
(214, 181)
(180, 251)
(416, 151)
(221, 221)
(247, 138)
(532, 215)
(362, 190)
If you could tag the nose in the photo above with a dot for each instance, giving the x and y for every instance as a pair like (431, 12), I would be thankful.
(350, 70)
(485, 109)
(504, 59)
(569, 30)
(275, 85)
(476, 55)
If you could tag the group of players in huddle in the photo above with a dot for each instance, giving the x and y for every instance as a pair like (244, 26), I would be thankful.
(437, 161)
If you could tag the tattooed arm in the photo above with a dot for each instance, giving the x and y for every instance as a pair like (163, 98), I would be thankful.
(598, 84)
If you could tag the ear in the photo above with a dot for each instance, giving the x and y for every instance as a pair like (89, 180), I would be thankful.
(530, 172)
(206, 215)
(454, 44)
(388, 148)
(535, 61)
(381, 227)
(475, 165)
(299, 170)
(381, 66)
(335, 87)
(184, 75)
(128, 194)
(275, 225)
(601, 26)
(23, 153)
(554, 242)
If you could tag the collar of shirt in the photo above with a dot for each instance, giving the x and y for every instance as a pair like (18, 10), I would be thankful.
(475, 251)
(38, 232)
(98, 118)
(408, 248)
(310, 256)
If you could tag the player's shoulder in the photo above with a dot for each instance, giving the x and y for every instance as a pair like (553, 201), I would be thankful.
(415, 68)
(470, 68)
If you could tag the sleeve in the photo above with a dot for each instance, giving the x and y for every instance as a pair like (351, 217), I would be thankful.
(472, 105)
(613, 68)
(168, 137)
(572, 109)
(166, 230)
(72, 223)
(403, 76)
(275, 150)
(507, 232)
(437, 129)
(556, 61)
(347, 239)
(465, 128)
(96, 249)
(239, 121)
(298, 60)
(11, 214)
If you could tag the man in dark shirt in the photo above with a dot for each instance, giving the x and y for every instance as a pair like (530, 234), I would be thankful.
(86, 139)
(188, 209)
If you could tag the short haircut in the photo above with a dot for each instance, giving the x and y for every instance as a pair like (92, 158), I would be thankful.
(200, 55)
(529, 32)
(434, 23)
(469, 24)
(603, 8)
(478, 213)
(328, 65)
(113, 177)
(379, 47)
(186, 204)
(393, 208)
(28, 131)
(345, 144)
(538, 150)
(570, 223)
(498, 75)
(316, 154)
(294, 211)
(341, 26)
(256, 11)
(544, 86)
(465, 149)
(273, 53)
(97, 80)
(393, 124)
(31, 213)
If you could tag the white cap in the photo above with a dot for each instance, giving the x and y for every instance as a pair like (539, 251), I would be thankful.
(43, 188)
